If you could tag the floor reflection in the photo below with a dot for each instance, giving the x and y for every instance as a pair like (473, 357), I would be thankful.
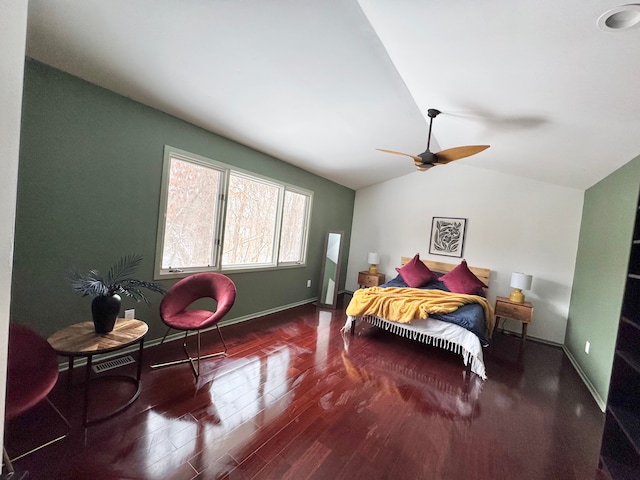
(243, 395)
(322, 339)
(429, 394)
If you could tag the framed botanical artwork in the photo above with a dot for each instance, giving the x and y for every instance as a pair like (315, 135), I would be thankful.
(447, 236)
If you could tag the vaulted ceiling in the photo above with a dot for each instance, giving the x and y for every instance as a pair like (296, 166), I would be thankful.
(321, 84)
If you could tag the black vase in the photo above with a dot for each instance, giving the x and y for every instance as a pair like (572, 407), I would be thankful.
(105, 310)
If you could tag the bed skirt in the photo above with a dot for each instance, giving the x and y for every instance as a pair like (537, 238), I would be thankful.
(447, 336)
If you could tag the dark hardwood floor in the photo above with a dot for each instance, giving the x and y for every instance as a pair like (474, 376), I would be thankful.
(296, 400)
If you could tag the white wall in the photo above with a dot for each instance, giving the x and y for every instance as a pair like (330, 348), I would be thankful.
(513, 224)
(13, 28)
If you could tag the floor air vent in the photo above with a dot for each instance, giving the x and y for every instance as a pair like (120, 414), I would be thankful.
(115, 363)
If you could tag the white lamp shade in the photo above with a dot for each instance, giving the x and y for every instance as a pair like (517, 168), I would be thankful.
(373, 258)
(521, 281)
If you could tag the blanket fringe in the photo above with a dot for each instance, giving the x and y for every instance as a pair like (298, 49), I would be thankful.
(397, 329)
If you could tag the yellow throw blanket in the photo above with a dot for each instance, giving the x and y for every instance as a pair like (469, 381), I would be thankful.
(405, 304)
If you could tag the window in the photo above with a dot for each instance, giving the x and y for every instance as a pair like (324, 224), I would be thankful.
(251, 221)
(294, 226)
(216, 217)
(191, 220)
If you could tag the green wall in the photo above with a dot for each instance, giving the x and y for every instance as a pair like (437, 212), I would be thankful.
(601, 265)
(89, 191)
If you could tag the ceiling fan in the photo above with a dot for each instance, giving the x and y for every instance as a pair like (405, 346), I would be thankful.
(428, 159)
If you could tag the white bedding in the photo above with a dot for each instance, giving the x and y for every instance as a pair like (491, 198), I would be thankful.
(434, 332)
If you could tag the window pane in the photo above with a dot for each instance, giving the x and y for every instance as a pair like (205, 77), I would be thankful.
(190, 224)
(294, 219)
(250, 223)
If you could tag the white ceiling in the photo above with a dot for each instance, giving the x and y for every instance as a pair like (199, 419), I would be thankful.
(322, 84)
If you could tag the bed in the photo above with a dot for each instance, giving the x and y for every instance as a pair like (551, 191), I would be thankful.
(465, 329)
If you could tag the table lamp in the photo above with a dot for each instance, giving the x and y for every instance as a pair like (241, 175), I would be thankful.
(519, 282)
(373, 259)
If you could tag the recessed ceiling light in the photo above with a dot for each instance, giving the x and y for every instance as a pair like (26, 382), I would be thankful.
(620, 18)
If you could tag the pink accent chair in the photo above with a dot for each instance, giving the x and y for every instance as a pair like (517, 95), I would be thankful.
(32, 372)
(175, 314)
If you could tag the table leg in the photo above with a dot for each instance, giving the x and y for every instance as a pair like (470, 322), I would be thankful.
(524, 331)
(87, 378)
(70, 373)
(139, 374)
(135, 381)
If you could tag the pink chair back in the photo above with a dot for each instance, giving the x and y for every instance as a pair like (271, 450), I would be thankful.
(194, 287)
(32, 370)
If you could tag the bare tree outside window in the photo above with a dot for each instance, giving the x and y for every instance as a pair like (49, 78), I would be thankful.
(249, 230)
(294, 220)
(191, 215)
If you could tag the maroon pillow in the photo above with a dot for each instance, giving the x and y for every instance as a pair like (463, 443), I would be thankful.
(462, 280)
(415, 273)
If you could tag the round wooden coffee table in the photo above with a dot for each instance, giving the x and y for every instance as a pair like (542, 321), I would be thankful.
(81, 340)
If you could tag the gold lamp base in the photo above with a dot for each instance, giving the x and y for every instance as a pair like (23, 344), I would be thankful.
(373, 269)
(516, 296)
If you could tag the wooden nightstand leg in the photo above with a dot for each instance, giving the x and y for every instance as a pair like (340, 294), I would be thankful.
(524, 331)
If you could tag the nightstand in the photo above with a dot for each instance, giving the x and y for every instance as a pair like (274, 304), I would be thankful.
(523, 312)
(366, 279)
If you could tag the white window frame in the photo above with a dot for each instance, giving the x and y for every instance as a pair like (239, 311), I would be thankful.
(307, 221)
(226, 170)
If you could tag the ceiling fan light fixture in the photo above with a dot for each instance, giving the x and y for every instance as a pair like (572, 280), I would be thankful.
(428, 159)
(620, 18)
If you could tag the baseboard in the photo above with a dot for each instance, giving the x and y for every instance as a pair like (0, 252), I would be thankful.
(515, 333)
(594, 393)
(179, 335)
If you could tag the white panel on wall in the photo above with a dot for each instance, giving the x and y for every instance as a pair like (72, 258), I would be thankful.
(513, 224)
(13, 34)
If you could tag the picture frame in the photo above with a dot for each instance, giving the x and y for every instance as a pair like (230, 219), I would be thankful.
(447, 236)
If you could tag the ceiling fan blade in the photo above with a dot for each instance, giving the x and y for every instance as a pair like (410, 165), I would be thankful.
(456, 153)
(416, 158)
